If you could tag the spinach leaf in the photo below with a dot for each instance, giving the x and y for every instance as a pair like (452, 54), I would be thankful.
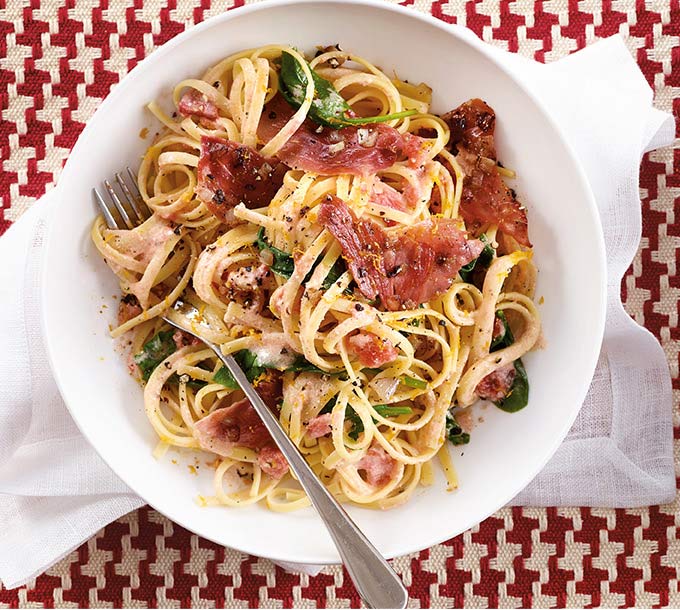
(339, 267)
(225, 378)
(384, 410)
(352, 416)
(483, 260)
(504, 340)
(413, 382)
(518, 396)
(328, 107)
(454, 432)
(357, 425)
(391, 410)
(283, 262)
(248, 362)
(195, 384)
(157, 349)
(302, 365)
(328, 407)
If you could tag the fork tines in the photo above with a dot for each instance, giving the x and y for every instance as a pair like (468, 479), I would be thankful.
(124, 207)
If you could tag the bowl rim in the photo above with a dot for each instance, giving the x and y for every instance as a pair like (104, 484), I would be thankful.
(464, 35)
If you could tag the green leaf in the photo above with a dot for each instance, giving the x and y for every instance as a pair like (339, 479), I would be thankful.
(283, 264)
(413, 382)
(518, 396)
(248, 363)
(352, 416)
(328, 107)
(302, 365)
(333, 275)
(339, 267)
(454, 432)
(195, 384)
(391, 410)
(247, 360)
(482, 261)
(157, 349)
(224, 377)
(328, 407)
(504, 340)
(357, 424)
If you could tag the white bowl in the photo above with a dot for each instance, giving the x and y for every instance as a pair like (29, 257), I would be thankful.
(506, 452)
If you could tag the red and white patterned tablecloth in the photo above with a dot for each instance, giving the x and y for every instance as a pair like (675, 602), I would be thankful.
(60, 58)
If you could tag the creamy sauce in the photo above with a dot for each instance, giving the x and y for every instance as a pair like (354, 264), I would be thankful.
(143, 242)
(308, 394)
(274, 351)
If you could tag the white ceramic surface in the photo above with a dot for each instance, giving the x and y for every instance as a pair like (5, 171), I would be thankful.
(505, 452)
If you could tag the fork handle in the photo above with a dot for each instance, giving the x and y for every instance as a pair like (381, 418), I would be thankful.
(376, 582)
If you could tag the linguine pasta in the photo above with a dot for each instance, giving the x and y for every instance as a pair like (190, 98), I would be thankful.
(370, 388)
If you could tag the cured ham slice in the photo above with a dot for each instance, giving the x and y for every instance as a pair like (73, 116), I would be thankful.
(270, 389)
(403, 268)
(495, 386)
(272, 462)
(128, 308)
(371, 350)
(415, 149)
(230, 173)
(319, 426)
(386, 195)
(182, 339)
(378, 466)
(352, 150)
(239, 425)
(194, 103)
(486, 199)
(416, 152)
(247, 285)
(472, 127)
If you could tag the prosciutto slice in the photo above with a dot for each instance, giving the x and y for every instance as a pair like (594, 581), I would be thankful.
(416, 152)
(378, 466)
(272, 462)
(319, 426)
(239, 425)
(128, 308)
(230, 173)
(403, 268)
(194, 103)
(371, 350)
(495, 386)
(486, 198)
(358, 151)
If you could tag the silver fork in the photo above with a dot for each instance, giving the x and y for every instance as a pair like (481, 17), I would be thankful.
(376, 582)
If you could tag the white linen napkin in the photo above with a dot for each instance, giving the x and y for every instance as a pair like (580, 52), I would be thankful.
(55, 491)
